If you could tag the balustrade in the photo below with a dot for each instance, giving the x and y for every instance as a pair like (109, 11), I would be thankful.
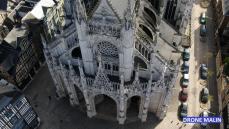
(130, 89)
(98, 28)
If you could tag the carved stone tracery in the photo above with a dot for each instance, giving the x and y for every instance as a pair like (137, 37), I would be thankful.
(107, 49)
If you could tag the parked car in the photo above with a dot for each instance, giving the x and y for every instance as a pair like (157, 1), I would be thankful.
(183, 110)
(203, 30)
(204, 114)
(186, 54)
(204, 95)
(203, 71)
(185, 67)
(183, 95)
(203, 19)
(185, 80)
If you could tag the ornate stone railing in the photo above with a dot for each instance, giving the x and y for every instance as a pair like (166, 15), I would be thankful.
(103, 29)
(113, 88)
(136, 89)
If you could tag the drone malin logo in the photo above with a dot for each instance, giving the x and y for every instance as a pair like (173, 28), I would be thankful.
(202, 119)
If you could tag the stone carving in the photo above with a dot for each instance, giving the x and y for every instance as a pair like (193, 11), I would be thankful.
(110, 32)
(107, 49)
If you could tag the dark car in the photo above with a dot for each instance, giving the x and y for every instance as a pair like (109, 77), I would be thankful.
(183, 110)
(204, 95)
(203, 30)
(203, 71)
(183, 95)
(203, 18)
(185, 67)
(186, 54)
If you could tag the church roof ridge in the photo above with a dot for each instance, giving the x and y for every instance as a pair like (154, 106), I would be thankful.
(120, 6)
(115, 11)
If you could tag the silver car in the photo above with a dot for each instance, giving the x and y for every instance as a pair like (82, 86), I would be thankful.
(204, 114)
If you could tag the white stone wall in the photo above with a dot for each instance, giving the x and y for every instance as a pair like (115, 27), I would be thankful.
(155, 101)
(154, 96)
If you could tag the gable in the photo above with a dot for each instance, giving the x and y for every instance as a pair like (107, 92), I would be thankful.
(104, 9)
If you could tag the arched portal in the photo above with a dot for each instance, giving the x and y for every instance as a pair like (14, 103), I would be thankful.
(105, 106)
(146, 30)
(150, 17)
(76, 53)
(133, 106)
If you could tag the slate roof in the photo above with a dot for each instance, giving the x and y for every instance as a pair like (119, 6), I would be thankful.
(15, 35)
(8, 93)
(4, 101)
(22, 8)
(6, 87)
(119, 7)
(37, 11)
(8, 56)
(9, 49)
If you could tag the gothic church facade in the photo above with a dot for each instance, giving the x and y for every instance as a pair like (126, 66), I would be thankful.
(116, 48)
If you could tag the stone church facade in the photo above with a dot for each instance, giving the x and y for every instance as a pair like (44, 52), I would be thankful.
(116, 48)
